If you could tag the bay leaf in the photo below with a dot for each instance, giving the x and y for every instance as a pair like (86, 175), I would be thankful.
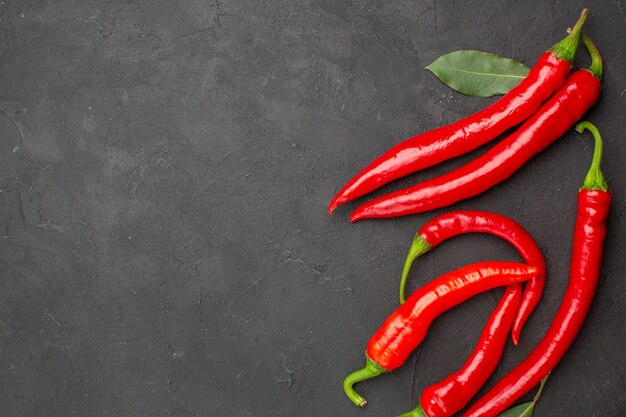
(477, 73)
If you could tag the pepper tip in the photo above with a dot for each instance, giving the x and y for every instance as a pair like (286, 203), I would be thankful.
(332, 206)
(355, 216)
(337, 200)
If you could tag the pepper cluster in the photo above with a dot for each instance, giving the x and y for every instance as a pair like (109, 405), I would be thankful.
(547, 103)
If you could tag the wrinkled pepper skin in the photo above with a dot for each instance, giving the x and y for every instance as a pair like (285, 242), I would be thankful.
(580, 91)
(430, 148)
(405, 329)
(589, 234)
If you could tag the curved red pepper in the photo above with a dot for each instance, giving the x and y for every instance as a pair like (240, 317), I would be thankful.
(405, 329)
(594, 201)
(454, 223)
(403, 332)
(447, 397)
(430, 148)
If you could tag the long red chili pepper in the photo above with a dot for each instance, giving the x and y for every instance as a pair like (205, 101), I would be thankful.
(452, 394)
(435, 146)
(580, 91)
(405, 329)
(446, 226)
(594, 201)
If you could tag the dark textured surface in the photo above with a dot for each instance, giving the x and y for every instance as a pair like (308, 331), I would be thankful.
(165, 169)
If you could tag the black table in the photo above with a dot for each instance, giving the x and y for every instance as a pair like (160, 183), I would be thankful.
(165, 169)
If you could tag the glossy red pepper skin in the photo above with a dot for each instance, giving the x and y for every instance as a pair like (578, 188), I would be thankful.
(405, 329)
(473, 131)
(454, 223)
(430, 148)
(447, 397)
(580, 91)
(589, 234)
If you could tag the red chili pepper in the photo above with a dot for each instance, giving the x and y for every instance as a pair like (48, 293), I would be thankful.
(580, 91)
(594, 201)
(452, 394)
(435, 146)
(405, 329)
(449, 396)
(448, 225)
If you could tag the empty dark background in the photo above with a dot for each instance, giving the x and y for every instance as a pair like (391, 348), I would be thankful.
(165, 168)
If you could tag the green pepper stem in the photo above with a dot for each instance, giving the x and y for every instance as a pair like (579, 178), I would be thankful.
(418, 247)
(371, 370)
(594, 179)
(596, 60)
(566, 49)
(543, 384)
(416, 412)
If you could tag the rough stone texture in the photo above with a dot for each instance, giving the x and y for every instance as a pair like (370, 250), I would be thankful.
(165, 168)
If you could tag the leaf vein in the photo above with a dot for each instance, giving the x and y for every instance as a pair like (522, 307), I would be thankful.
(482, 73)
